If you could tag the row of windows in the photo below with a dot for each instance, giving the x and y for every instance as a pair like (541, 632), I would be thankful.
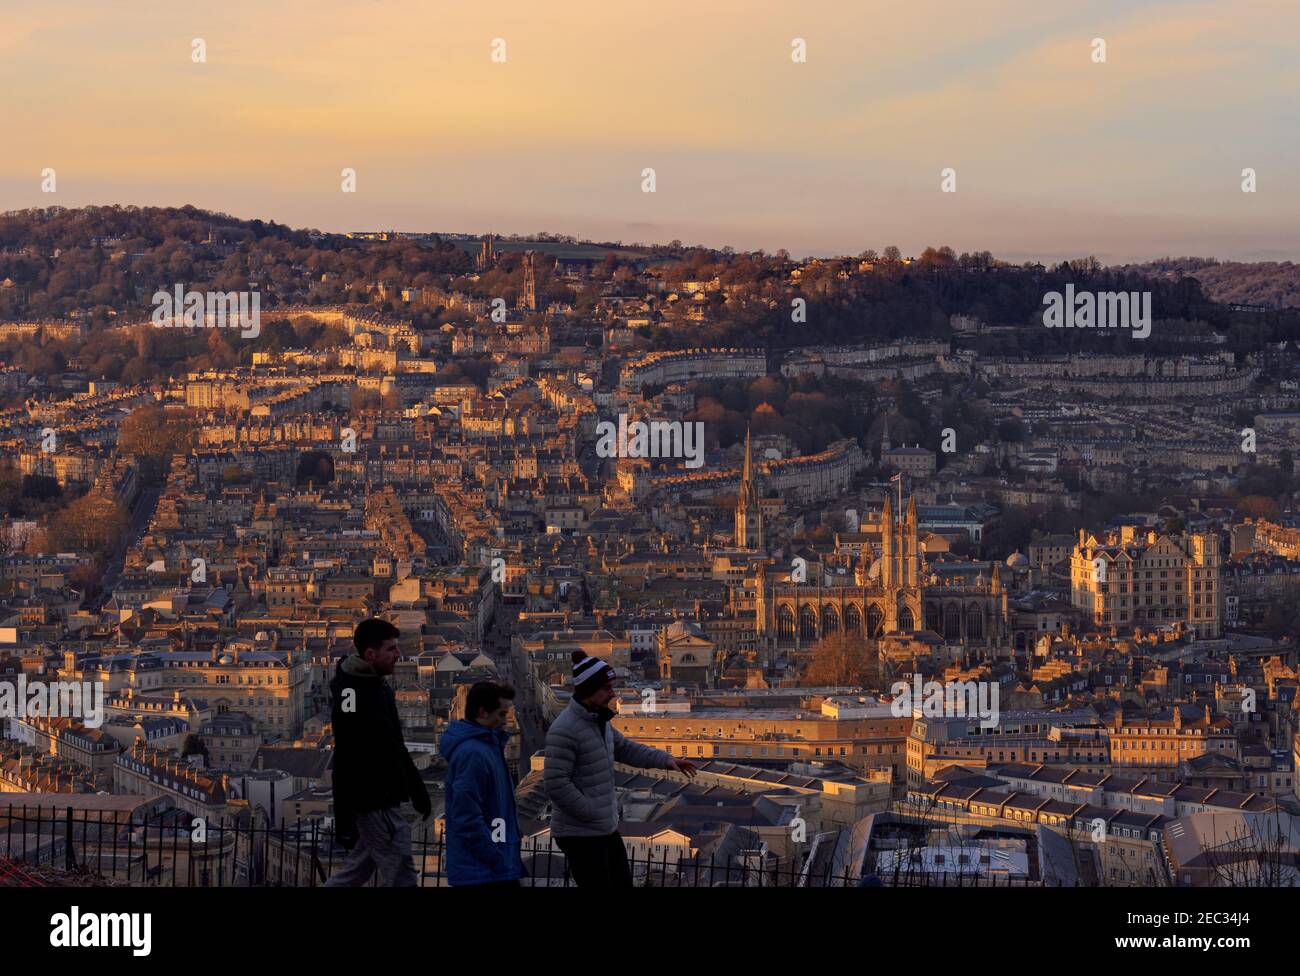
(779, 751)
(221, 679)
(1018, 756)
(1165, 614)
(218, 664)
(1166, 746)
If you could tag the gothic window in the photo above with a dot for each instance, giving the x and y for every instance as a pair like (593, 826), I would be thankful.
(785, 624)
(807, 623)
(951, 622)
(932, 617)
(852, 620)
(875, 621)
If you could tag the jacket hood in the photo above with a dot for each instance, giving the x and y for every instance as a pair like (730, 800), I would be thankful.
(462, 730)
(356, 666)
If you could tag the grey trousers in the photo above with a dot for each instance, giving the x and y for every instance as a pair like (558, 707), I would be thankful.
(385, 845)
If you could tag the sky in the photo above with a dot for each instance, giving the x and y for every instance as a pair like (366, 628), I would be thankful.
(1055, 155)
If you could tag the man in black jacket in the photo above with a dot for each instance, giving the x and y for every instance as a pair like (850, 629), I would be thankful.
(373, 772)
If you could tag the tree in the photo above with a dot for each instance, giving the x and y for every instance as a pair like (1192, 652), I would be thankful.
(194, 746)
(92, 523)
(843, 660)
(315, 466)
(362, 399)
(1011, 532)
(11, 489)
(87, 576)
(1258, 506)
(41, 487)
(1254, 850)
(1011, 430)
(154, 434)
(766, 420)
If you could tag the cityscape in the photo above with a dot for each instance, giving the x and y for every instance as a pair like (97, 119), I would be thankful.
(497, 449)
(515, 449)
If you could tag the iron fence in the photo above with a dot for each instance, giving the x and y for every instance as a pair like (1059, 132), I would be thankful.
(178, 850)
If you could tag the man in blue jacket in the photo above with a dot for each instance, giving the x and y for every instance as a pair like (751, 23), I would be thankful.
(482, 826)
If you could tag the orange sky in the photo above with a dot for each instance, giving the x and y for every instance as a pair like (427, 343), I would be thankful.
(1056, 156)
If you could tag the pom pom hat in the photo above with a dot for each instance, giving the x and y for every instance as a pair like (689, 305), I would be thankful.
(589, 673)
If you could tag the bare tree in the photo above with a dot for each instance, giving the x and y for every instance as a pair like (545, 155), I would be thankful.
(843, 660)
(1257, 853)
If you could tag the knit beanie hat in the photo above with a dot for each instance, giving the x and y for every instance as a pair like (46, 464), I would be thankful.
(589, 673)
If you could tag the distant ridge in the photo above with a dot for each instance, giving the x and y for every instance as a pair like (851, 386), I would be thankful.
(1270, 283)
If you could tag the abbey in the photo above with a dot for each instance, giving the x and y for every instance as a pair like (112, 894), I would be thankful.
(889, 590)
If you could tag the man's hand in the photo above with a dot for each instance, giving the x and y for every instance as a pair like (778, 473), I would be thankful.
(423, 806)
(346, 832)
(683, 766)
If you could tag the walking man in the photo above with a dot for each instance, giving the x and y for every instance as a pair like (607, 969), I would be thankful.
(578, 776)
(373, 772)
(482, 826)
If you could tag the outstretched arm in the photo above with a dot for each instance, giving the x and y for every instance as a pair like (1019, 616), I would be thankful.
(638, 754)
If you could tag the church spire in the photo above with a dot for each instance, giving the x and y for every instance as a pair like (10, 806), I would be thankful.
(746, 478)
(749, 514)
(748, 490)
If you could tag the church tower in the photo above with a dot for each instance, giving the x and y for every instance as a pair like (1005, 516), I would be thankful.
(749, 514)
(528, 297)
(487, 255)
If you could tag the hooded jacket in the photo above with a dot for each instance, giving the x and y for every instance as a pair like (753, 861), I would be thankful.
(372, 768)
(482, 826)
(578, 776)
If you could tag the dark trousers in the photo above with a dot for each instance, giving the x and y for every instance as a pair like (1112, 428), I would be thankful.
(597, 862)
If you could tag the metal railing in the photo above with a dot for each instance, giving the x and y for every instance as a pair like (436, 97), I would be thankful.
(53, 846)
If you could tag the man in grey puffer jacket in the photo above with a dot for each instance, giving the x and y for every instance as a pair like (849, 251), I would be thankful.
(581, 749)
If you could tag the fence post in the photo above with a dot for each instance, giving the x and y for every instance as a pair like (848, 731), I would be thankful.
(176, 826)
(315, 855)
(69, 858)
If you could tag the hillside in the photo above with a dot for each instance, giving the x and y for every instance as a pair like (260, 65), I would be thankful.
(1270, 283)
